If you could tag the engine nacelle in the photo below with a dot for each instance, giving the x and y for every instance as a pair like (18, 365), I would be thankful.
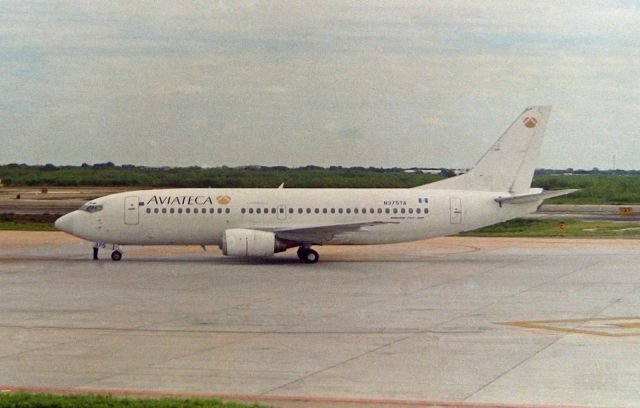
(248, 242)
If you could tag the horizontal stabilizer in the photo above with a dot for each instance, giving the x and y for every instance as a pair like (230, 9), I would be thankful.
(527, 198)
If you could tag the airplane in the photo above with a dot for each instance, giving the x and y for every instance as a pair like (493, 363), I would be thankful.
(259, 222)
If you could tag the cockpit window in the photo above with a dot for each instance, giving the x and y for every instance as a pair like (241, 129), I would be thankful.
(91, 208)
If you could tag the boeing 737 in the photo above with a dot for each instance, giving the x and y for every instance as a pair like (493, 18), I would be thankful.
(260, 222)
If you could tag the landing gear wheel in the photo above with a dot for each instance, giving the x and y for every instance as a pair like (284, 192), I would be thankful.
(308, 255)
(311, 257)
(116, 255)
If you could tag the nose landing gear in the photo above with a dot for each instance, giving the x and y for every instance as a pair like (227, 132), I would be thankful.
(96, 248)
(308, 255)
(116, 255)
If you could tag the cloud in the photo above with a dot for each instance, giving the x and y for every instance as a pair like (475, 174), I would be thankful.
(420, 83)
(350, 134)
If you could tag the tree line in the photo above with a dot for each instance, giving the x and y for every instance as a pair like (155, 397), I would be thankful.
(596, 186)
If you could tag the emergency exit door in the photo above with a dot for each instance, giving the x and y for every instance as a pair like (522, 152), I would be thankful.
(131, 216)
(455, 206)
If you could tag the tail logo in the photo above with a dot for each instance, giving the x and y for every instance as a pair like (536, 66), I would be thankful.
(530, 122)
(223, 199)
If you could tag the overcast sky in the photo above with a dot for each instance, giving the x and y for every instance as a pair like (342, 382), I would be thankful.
(373, 83)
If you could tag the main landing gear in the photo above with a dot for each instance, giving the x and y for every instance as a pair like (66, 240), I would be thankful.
(116, 255)
(308, 255)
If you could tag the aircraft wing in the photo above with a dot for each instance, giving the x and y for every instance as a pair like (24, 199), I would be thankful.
(322, 233)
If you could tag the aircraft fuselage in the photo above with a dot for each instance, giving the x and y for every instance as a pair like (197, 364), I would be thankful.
(200, 216)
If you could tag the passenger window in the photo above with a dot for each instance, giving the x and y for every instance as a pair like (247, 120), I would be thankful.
(402, 210)
(148, 210)
(195, 210)
(355, 210)
(379, 210)
(299, 210)
(395, 210)
(290, 210)
(155, 210)
(317, 211)
(387, 211)
(308, 210)
(257, 211)
(333, 211)
(250, 210)
(244, 210)
(410, 210)
(211, 210)
(324, 210)
(281, 210)
(187, 210)
(266, 211)
(164, 210)
(339, 210)
(204, 211)
(172, 210)
(371, 210)
(273, 210)
(179, 210)
(426, 211)
(220, 210)
(227, 210)
(417, 211)
(348, 210)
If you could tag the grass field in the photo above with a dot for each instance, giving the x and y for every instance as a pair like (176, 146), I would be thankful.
(23, 400)
(31, 222)
(26, 226)
(555, 228)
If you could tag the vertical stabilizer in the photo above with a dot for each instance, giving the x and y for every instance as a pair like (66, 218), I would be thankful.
(509, 164)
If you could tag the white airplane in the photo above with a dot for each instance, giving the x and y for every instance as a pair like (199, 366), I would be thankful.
(257, 222)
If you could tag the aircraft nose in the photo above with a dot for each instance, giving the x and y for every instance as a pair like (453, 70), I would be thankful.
(65, 223)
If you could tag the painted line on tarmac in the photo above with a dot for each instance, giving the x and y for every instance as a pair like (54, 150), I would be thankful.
(624, 326)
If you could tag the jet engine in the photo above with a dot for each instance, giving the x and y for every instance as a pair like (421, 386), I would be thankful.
(248, 242)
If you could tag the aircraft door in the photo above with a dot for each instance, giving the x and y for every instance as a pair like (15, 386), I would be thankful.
(131, 216)
(282, 212)
(455, 206)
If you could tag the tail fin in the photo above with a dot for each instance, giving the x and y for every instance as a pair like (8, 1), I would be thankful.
(509, 165)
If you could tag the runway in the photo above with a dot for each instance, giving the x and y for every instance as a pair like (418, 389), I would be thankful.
(449, 321)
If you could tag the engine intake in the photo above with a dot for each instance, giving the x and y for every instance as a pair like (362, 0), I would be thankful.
(248, 242)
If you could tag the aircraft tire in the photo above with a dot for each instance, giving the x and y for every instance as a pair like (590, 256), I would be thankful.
(311, 256)
(116, 255)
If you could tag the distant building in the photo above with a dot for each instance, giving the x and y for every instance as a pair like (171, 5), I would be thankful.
(424, 171)
(441, 171)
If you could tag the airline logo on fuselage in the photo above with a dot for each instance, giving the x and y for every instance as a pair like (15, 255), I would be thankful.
(530, 122)
(223, 199)
(180, 200)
